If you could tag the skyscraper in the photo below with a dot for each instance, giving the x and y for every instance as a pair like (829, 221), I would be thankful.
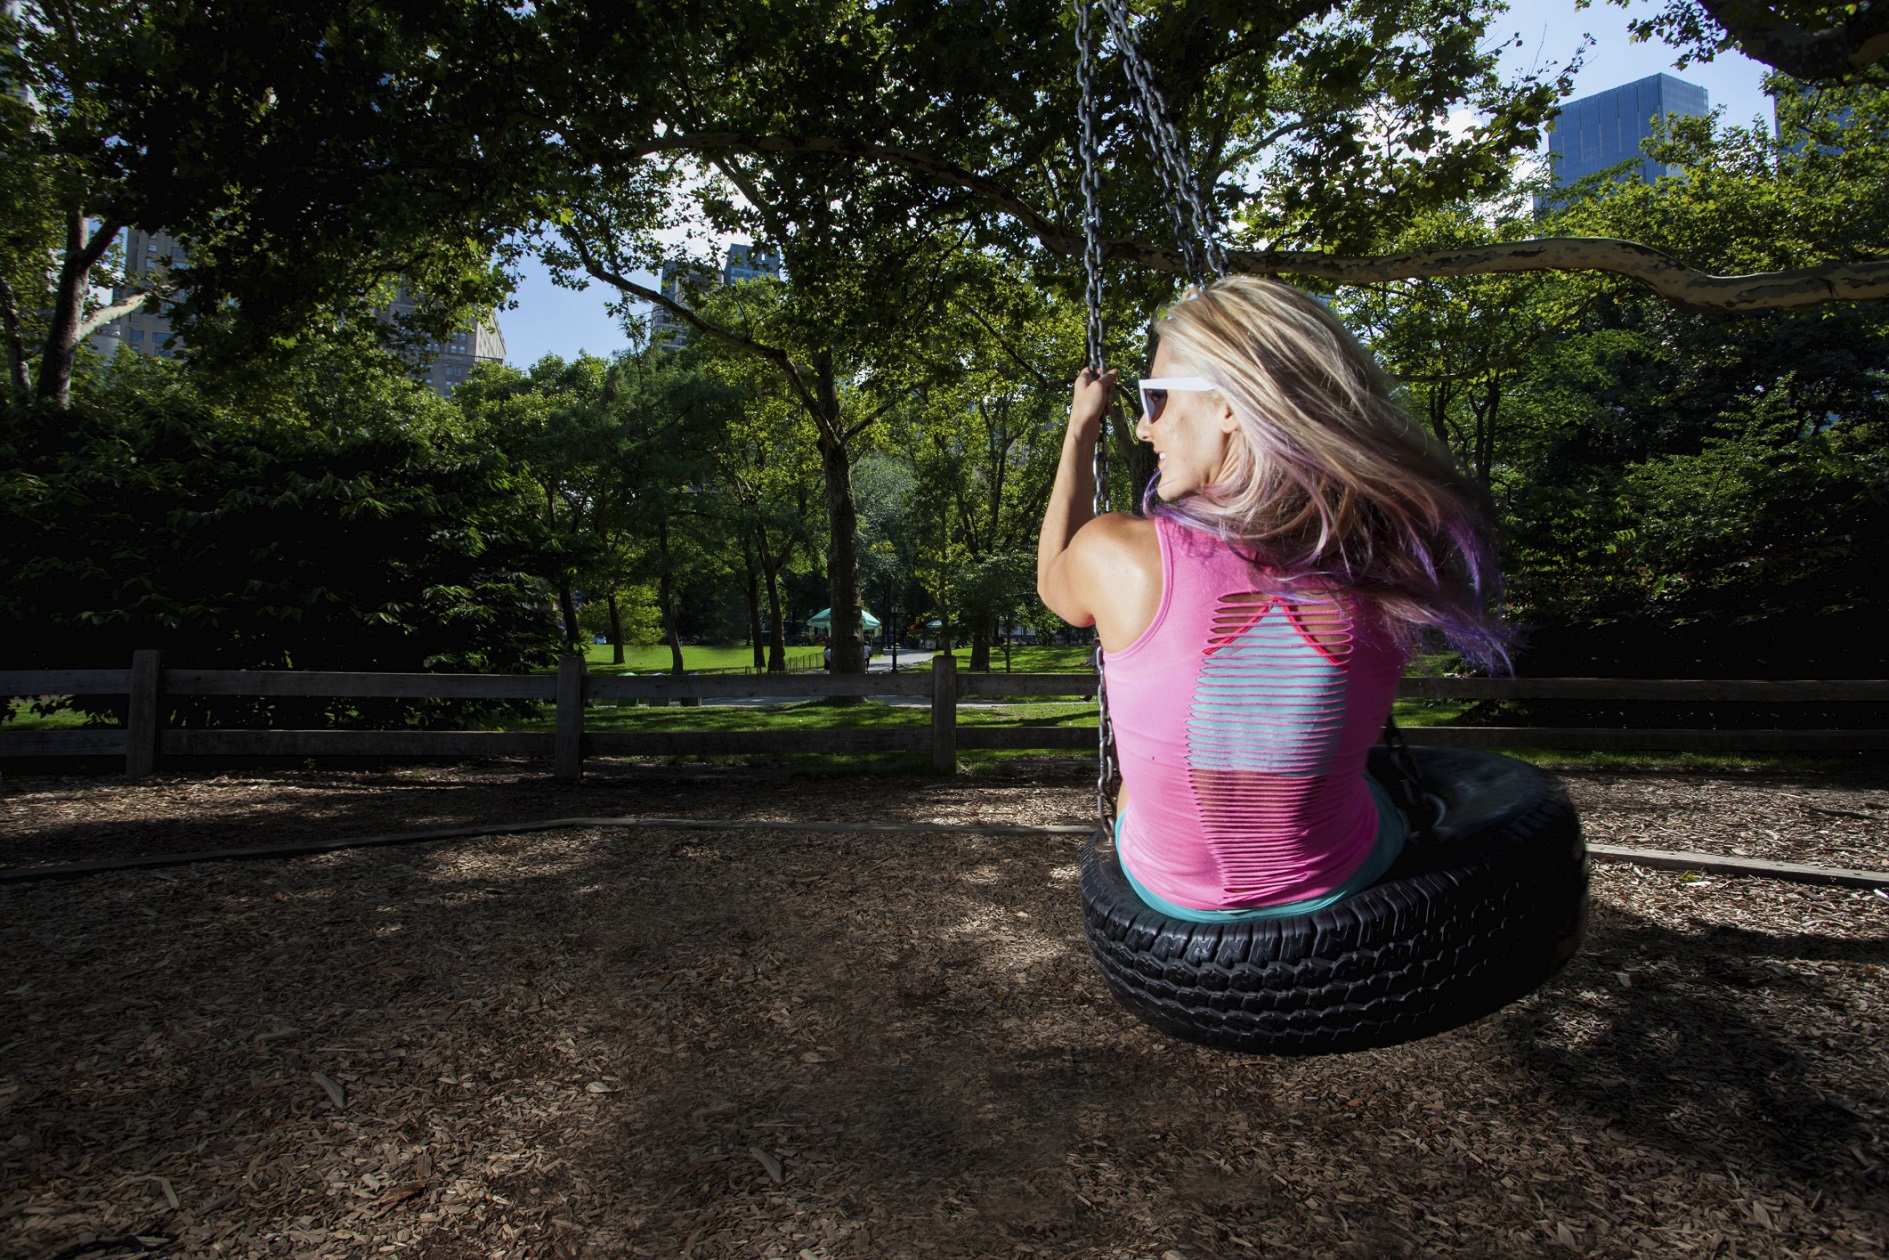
(148, 253)
(681, 284)
(1608, 128)
(460, 352)
(744, 262)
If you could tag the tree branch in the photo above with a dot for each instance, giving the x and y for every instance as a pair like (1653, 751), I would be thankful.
(1825, 55)
(106, 314)
(1685, 287)
(780, 358)
(1010, 352)
(872, 419)
(939, 169)
(19, 382)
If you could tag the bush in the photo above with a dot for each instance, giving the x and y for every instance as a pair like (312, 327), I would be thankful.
(232, 544)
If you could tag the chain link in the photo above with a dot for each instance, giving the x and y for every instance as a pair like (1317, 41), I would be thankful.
(1152, 114)
(1092, 267)
(1091, 209)
(1201, 252)
(1091, 233)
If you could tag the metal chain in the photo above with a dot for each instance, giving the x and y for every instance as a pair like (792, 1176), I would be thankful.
(1106, 775)
(1149, 108)
(1091, 232)
(1091, 210)
(1171, 164)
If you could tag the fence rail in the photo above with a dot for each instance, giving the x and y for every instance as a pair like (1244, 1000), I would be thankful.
(146, 685)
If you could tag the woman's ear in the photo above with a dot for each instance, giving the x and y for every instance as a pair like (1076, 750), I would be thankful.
(1229, 423)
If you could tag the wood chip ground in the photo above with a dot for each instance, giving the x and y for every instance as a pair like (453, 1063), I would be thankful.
(621, 1042)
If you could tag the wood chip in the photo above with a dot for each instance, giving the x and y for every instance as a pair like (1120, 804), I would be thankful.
(978, 1084)
(331, 1087)
(768, 1162)
(401, 1193)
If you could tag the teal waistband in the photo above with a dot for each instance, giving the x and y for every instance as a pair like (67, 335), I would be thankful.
(1389, 844)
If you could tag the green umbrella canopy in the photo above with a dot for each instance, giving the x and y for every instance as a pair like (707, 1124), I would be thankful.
(825, 618)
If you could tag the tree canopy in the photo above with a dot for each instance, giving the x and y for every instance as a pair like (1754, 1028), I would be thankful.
(914, 163)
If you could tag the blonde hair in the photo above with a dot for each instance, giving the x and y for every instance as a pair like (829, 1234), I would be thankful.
(1331, 482)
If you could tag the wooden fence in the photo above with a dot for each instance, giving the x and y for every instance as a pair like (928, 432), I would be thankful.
(142, 740)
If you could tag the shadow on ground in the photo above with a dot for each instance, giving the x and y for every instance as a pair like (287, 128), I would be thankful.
(752, 1043)
(83, 819)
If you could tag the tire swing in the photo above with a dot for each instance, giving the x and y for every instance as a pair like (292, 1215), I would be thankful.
(1488, 898)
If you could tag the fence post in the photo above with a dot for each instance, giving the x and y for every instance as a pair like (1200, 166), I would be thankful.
(143, 713)
(944, 713)
(567, 746)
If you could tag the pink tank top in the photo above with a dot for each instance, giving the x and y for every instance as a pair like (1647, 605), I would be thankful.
(1242, 724)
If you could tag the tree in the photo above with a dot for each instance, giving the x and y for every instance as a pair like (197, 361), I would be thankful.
(1348, 101)
(619, 454)
(766, 467)
(672, 418)
(361, 534)
(1461, 346)
(983, 437)
(312, 157)
(1685, 493)
(553, 422)
(1815, 42)
(55, 165)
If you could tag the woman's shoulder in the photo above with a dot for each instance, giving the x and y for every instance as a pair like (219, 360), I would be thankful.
(1119, 562)
(1117, 536)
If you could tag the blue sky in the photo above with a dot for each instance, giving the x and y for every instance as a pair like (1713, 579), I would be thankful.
(552, 320)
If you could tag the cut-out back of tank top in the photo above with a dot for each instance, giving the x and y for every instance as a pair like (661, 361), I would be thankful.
(1268, 712)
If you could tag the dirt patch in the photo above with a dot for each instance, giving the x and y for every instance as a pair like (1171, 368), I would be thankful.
(622, 1042)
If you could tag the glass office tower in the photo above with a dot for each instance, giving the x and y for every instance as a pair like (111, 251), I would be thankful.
(1608, 128)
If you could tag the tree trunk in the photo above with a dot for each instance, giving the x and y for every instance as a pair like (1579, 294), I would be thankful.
(666, 601)
(980, 647)
(666, 605)
(849, 650)
(753, 593)
(567, 604)
(776, 631)
(671, 615)
(20, 384)
(616, 631)
(83, 250)
(1485, 427)
(669, 619)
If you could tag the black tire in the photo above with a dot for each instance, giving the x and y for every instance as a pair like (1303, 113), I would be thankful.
(1468, 920)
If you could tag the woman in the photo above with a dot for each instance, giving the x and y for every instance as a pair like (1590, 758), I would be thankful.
(1302, 534)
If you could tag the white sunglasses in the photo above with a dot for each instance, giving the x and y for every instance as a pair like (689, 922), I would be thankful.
(1154, 392)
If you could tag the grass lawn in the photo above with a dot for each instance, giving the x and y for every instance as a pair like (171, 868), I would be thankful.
(656, 659)
(815, 715)
(1035, 660)
(20, 717)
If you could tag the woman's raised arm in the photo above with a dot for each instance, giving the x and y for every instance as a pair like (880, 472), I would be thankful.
(1071, 503)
